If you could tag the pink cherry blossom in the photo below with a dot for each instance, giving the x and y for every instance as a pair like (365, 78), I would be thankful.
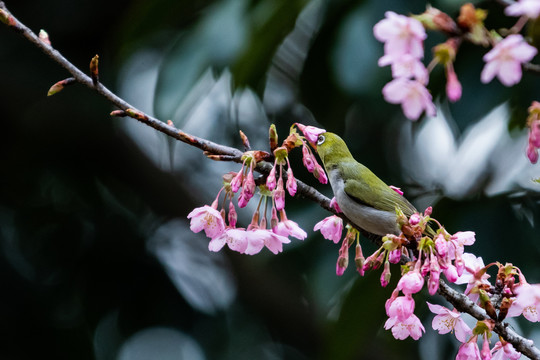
(473, 275)
(458, 242)
(527, 302)
(331, 228)
(504, 352)
(411, 283)
(449, 321)
(235, 238)
(289, 228)
(412, 95)
(274, 242)
(255, 241)
(505, 59)
(402, 307)
(451, 273)
(401, 35)
(402, 329)
(406, 66)
(469, 350)
(530, 8)
(208, 219)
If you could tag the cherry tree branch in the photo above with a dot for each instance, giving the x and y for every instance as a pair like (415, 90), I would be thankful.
(226, 153)
(465, 305)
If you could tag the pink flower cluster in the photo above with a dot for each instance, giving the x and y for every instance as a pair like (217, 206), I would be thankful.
(220, 225)
(403, 39)
(438, 252)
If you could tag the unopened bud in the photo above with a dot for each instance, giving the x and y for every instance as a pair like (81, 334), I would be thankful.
(233, 216)
(245, 140)
(118, 113)
(359, 259)
(273, 137)
(44, 37)
(434, 19)
(136, 114)
(59, 86)
(469, 16)
(94, 71)
(341, 265)
(386, 274)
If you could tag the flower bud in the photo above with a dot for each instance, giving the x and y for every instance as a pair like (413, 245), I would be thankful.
(453, 86)
(415, 219)
(271, 179)
(245, 140)
(94, 71)
(385, 275)
(411, 283)
(394, 256)
(441, 245)
(291, 182)
(279, 195)
(272, 134)
(233, 217)
(359, 260)
(341, 265)
(44, 37)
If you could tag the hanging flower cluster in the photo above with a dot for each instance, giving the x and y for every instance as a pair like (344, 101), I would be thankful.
(403, 38)
(268, 228)
(427, 253)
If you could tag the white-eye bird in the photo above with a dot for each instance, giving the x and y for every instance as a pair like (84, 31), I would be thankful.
(364, 198)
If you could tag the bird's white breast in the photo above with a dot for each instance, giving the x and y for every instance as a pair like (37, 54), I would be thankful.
(368, 218)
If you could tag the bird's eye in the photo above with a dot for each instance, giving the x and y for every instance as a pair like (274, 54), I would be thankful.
(320, 139)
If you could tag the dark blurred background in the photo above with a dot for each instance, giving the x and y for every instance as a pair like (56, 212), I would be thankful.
(96, 257)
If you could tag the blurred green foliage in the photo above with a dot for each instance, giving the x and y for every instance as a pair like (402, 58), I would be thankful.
(97, 261)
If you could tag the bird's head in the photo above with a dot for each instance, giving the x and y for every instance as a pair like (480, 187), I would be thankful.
(332, 148)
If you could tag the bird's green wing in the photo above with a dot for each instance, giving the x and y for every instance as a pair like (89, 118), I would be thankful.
(372, 191)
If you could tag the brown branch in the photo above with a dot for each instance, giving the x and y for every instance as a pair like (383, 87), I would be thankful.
(465, 305)
(222, 152)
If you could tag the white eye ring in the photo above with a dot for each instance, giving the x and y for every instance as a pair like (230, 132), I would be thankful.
(320, 139)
